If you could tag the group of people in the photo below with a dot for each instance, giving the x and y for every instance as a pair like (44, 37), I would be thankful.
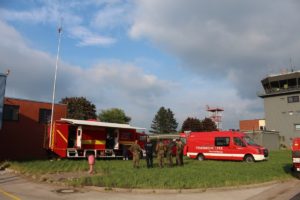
(161, 150)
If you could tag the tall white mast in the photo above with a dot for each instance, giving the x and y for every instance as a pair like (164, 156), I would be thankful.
(54, 83)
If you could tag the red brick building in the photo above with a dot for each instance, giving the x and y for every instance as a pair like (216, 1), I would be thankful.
(252, 125)
(24, 126)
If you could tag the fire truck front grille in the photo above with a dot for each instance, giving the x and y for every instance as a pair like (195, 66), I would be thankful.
(296, 154)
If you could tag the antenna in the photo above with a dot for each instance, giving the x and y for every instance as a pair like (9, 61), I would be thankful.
(59, 29)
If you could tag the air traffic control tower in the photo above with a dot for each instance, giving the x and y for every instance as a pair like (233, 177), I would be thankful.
(282, 105)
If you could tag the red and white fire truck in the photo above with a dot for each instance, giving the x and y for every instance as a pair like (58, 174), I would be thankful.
(296, 154)
(223, 145)
(76, 138)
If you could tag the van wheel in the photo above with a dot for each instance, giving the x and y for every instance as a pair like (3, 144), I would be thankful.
(200, 157)
(249, 159)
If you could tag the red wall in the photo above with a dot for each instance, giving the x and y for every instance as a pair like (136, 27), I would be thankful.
(249, 125)
(24, 139)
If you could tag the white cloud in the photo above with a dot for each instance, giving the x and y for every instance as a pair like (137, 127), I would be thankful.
(87, 38)
(114, 15)
(54, 13)
(242, 40)
(219, 41)
(107, 84)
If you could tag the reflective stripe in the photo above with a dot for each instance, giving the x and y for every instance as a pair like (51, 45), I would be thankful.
(62, 136)
(224, 155)
(189, 154)
(93, 142)
(256, 157)
(296, 160)
(126, 142)
(259, 157)
(52, 141)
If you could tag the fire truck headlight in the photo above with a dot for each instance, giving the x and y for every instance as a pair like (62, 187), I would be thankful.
(259, 151)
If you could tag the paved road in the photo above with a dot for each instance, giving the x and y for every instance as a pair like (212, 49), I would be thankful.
(15, 187)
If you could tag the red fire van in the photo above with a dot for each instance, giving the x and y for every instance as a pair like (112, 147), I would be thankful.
(223, 145)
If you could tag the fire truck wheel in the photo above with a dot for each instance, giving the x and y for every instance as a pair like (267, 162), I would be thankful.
(248, 159)
(200, 157)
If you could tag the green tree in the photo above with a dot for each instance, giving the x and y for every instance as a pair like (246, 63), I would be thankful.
(209, 125)
(164, 122)
(79, 108)
(192, 124)
(114, 115)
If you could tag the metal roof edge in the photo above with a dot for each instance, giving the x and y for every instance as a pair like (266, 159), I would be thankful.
(101, 124)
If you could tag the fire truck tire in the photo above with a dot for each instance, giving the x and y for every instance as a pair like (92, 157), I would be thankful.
(249, 158)
(200, 157)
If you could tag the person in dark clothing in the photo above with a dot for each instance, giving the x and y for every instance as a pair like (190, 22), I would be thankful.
(149, 153)
(125, 152)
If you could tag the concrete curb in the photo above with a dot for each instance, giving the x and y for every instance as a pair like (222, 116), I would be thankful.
(177, 191)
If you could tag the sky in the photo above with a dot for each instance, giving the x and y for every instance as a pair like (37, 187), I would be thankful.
(140, 55)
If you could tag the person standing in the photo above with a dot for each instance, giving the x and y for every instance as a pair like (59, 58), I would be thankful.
(91, 161)
(125, 152)
(160, 149)
(179, 152)
(170, 153)
(149, 153)
(135, 150)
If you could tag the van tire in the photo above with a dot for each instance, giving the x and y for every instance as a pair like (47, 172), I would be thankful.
(200, 157)
(249, 159)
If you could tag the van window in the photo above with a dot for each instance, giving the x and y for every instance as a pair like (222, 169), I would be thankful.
(238, 142)
(222, 141)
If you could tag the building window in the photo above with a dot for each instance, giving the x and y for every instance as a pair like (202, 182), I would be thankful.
(44, 116)
(293, 99)
(222, 141)
(297, 127)
(11, 113)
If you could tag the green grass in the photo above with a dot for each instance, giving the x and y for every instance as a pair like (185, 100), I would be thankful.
(194, 174)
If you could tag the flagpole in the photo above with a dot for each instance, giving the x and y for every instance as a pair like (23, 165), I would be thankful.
(54, 85)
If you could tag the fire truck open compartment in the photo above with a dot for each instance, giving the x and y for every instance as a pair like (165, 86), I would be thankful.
(78, 138)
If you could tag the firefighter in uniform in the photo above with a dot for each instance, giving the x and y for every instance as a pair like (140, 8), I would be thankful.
(170, 153)
(179, 152)
(160, 149)
(135, 150)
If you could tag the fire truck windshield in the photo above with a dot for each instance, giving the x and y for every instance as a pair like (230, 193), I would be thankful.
(249, 141)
